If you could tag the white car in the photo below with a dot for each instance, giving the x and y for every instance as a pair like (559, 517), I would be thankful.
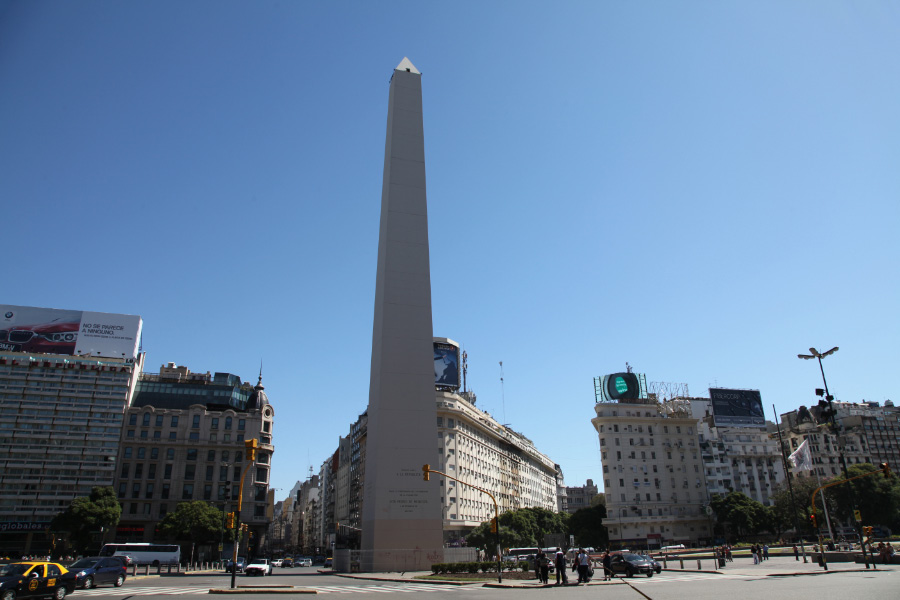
(277, 562)
(304, 562)
(258, 566)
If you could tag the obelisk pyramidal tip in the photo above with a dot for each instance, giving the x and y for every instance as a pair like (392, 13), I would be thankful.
(401, 513)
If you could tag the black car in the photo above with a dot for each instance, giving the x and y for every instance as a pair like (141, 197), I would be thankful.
(629, 564)
(35, 579)
(96, 570)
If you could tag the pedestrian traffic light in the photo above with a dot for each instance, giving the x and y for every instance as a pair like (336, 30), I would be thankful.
(229, 521)
(251, 446)
(886, 469)
(812, 521)
(426, 472)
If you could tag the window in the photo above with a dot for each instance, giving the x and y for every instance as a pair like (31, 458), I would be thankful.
(171, 435)
(167, 472)
(211, 456)
(189, 472)
(237, 474)
(207, 492)
(129, 433)
(213, 436)
(142, 452)
(194, 435)
(138, 470)
(136, 490)
(165, 492)
(157, 435)
(127, 453)
(223, 473)
(192, 454)
(159, 420)
(151, 471)
(215, 423)
(196, 422)
(242, 424)
(122, 490)
(228, 423)
(262, 475)
(133, 508)
(187, 492)
(124, 471)
(440, 421)
(170, 453)
(267, 426)
(209, 472)
(144, 435)
(132, 419)
(238, 456)
(148, 493)
(163, 509)
(145, 422)
(225, 455)
(174, 422)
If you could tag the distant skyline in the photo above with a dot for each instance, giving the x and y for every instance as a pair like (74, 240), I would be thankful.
(703, 190)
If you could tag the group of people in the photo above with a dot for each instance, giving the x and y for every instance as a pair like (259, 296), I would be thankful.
(760, 552)
(886, 552)
(581, 564)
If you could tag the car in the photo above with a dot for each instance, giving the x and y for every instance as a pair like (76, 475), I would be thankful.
(239, 566)
(95, 570)
(277, 562)
(304, 562)
(258, 566)
(630, 564)
(287, 562)
(657, 567)
(35, 579)
(328, 563)
(51, 338)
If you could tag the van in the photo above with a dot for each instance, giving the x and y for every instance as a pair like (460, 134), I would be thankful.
(671, 548)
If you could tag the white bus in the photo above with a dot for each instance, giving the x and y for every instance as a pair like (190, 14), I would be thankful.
(145, 554)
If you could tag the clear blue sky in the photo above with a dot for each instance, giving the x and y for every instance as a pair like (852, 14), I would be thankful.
(701, 189)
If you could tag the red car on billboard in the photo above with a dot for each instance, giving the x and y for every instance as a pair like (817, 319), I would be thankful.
(48, 338)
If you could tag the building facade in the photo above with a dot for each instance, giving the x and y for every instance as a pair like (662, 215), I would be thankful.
(580, 497)
(653, 474)
(60, 424)
(183, 440)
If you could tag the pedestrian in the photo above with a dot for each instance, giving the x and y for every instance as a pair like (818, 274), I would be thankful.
(561, 577)
(728, 555)
(607, 566)
(537, 565)
(796, 553)
(765, 551)
(544, 566)
(584, 563)
(755, 552)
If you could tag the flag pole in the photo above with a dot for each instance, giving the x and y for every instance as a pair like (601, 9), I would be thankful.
(787, 475)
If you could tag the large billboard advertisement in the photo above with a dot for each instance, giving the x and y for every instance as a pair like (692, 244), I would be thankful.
(740, 408)
(621, 387)
(446, 365)
(74, 332)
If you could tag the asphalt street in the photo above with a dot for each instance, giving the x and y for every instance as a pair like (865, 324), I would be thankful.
(666, 586)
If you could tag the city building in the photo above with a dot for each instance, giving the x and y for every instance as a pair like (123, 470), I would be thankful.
(580, 497)
(183, 440)
(66, 378)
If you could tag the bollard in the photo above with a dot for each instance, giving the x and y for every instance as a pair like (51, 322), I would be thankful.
(133, 570)
(665, 564)
(681, 560)
(159, 568)
(147, 569)
(170, 568)
(698, 564)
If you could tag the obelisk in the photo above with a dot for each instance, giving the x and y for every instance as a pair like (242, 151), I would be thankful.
(401, 516)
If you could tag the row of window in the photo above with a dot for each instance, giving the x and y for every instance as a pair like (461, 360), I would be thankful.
(192, 454)
(148, 490)
(195, 424)
(134, 508)
(193, 435)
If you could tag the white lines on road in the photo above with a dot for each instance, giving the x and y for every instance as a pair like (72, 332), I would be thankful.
(321, 589)
(141, 591)
(689, 577)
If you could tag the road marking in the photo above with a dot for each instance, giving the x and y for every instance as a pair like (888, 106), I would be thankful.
(693, 577)
(142, 591)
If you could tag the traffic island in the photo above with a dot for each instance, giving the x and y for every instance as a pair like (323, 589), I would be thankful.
(263, 589)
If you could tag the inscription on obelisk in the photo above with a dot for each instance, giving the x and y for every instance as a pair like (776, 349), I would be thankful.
(401, 520)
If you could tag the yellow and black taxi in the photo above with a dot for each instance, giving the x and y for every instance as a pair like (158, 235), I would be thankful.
(34, 579)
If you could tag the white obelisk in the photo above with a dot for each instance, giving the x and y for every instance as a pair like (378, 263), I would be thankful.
(401, 513)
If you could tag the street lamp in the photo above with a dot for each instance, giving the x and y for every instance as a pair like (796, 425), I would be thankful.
(828, 411)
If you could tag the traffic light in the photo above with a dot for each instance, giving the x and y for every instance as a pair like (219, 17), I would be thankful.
(229, 521)
(812, 521)
(886, 469)
(494, 525)
(226, 490)
(426, 472)
(868, 531)
(251, 446)
(825, 409)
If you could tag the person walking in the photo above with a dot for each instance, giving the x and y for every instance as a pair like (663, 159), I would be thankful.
(765, 552)
(584, 564)
(607, 566)
(544, 567)
(560, 564)
(755, 552)
(796, 552)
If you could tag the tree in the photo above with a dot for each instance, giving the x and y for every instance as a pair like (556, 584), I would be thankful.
(742, 513)
(586, 524)
(521, 528)
(877, 498)
(196, 521)
(88, 515)
(785, 516)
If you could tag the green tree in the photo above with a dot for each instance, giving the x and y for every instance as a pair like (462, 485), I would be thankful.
(586, 524)
(86, 516)
(742, 514)
(784, 514)
(877, 497)
(521, 528)
(197, 521)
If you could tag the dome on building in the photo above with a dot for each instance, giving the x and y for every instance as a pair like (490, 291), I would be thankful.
(258, 398)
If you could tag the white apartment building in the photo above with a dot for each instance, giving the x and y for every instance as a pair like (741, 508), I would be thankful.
(653, 474)
(736, 458)
(474, 447)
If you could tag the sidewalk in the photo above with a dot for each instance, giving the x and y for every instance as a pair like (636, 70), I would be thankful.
(777, 566)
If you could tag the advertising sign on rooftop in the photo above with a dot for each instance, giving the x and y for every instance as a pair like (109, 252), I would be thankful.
(737, 408)
(74, 332)
(621, 387)
(446, 365)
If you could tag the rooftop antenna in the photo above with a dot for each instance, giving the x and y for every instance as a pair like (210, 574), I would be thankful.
(502, 391)
(628, 368)
(465, 362)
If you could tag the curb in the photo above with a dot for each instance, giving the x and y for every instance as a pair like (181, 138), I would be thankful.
(262, 590)
(402, 579)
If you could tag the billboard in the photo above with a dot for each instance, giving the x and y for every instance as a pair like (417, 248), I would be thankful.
(740, 408)
(446, 365)
(74, 332)
(620, 387)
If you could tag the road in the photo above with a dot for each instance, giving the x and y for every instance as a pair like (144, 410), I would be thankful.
(666, 586)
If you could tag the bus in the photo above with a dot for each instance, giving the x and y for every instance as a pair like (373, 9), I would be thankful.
(521, 554)
(145, 554)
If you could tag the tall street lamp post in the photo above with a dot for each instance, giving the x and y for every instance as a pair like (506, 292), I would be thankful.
(827, 407)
